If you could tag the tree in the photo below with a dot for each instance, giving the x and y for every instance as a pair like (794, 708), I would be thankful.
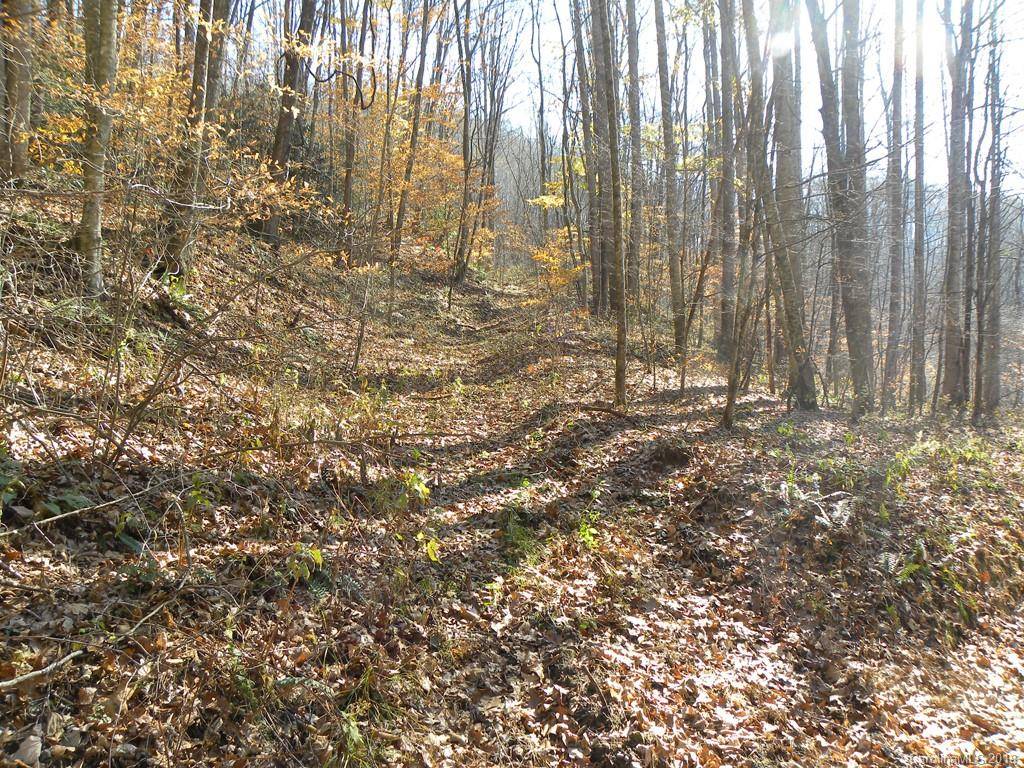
(788, 169)
(611, 190)
(191, 171)
(781, 243)
(847, 186)
(293, 87)
(727, 194)
(896, 214)
(918, 384)
(462, 37)
(589, 162)
(988, 359)
(16, 40)
(669, 162)
(100, 27)
(958, 54)
(542, 132)
(636, 170)
(414, 132)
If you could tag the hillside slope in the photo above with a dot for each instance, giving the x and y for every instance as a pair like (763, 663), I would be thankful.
(224, 543)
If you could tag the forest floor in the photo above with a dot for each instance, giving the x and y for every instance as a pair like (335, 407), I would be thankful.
(463, 556)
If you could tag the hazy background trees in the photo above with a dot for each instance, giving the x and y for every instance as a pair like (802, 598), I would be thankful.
(728, 207)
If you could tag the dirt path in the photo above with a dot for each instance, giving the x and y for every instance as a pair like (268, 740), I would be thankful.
(632, 590)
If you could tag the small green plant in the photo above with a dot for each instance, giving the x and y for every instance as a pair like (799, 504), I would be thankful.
(402, 493)
(586, 530)
(883, 513)
(198, 499)
(786, 429)
(177, 291)
(69, 501)
(12, 485)
(494, 589)
(304, 562)
(519, 537)
(431, 546)
(353, 745)
(914, 564)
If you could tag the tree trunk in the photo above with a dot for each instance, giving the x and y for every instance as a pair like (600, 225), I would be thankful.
(100, 25)
(953, 286)
(636, 172)
(190, 180)
(668, 137)
(788, 169)
(17, 113)
(727, 232)
(462, 36)
(292, 89)
(414, 132)
(589, 160)
(542, 130)
(847, 183)
(897, 222)
(918, 385)
(610, 186)
(780, 244)
(988, 389)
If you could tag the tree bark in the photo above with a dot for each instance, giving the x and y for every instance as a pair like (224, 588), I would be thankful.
(414, 132)
(957, 53)
(989, 368)
(669, 162)
(610, 185)
(17, 54)
(779, 243)
(788, 160)
(292, 89)
(100, 24)
(191, 173)
(847, 183)
(918, 383)
(636, 172)
(896, 215)
(728, 224)
(590, 161)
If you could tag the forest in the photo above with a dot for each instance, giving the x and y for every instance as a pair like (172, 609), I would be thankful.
(613, 383)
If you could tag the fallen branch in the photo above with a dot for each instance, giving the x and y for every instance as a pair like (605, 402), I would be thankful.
(28, 677)
(82, 510)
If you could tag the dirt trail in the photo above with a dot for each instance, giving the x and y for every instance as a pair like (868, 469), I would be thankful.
(631, 590)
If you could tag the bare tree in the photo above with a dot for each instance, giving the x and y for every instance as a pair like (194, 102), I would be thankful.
(611, 189)
(958, 53)
(988, 359)
(16, 18)
(589, 160)
(542, 132)
(414, 132)
(636, 171)
(847, 184)
(669, 162)
(191, 172)
(781, 243)
(918, 384)
(896, 214)
(293, 87)
(100, 25)
(727, 194)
